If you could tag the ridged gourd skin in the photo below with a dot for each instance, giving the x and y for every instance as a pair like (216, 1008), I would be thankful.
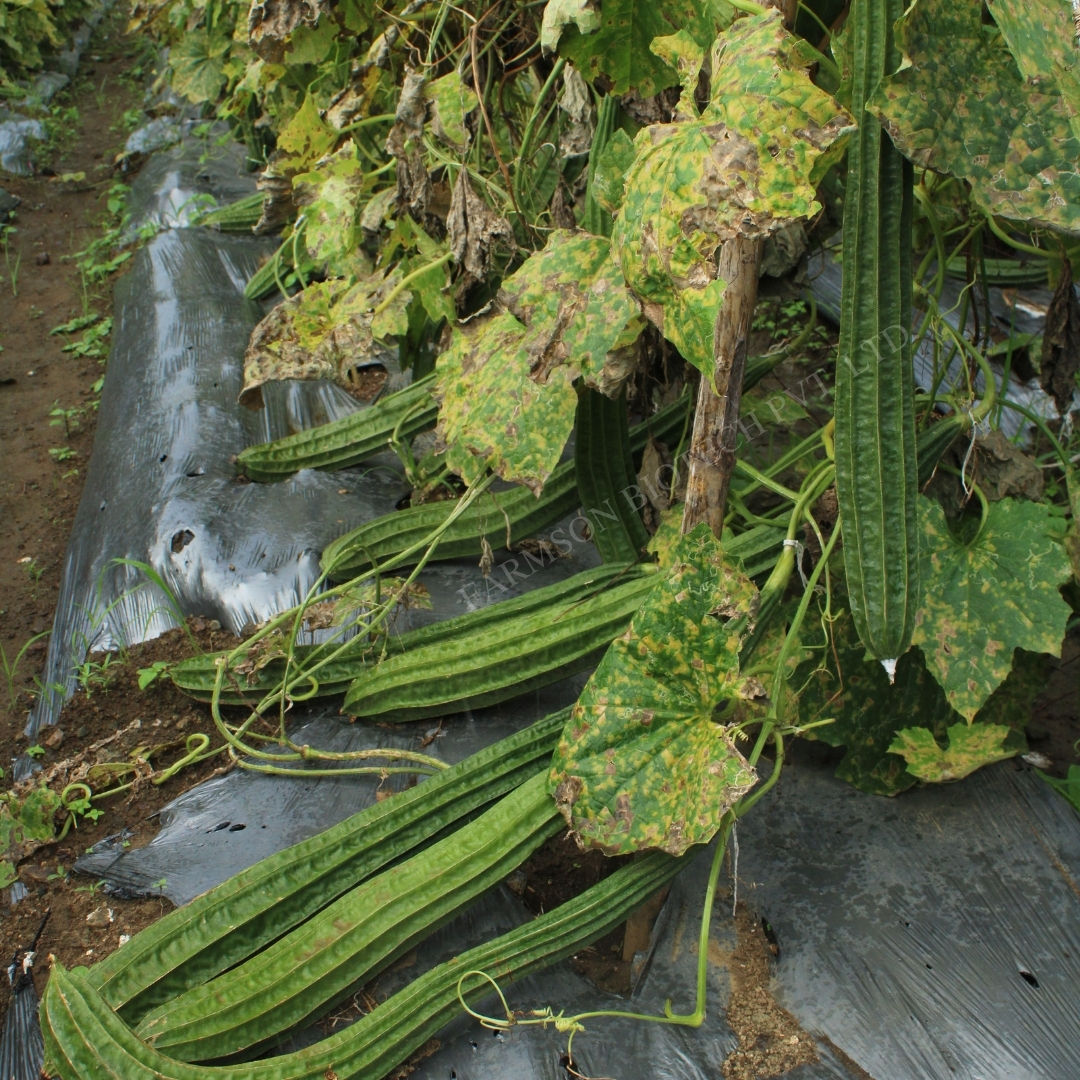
(346, 441)
(86, 1040)
(497, 663)
(503, 518)
(876, 464)
(237, 918)
(197, 675)
(322, 962)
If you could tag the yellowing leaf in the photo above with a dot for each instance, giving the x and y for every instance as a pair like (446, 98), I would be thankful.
(506, 381)
(330, 197)
(985, 598)
(327, 331)
(644, 762)
(745, 167)
(968, 109)
(970, 747)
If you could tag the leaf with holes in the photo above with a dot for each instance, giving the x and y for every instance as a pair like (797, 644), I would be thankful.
(985, 598)
(506, 381)
(645, 761)
(969, 110)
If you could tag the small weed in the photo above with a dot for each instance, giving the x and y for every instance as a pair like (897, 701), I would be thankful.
(73, 326)
(11, 666)
(68, 419)
(94, 675)
(61, 453)
(11, 261)
(92, 889)
(149, 675)
(33, 568)
(35, 751)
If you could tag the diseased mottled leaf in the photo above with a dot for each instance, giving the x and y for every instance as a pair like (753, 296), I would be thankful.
(867, 711)
(329, 198)
(743, 168)
(270, 22)
(328, 331)
(1042, 39)
(969, 747)
(306, 137)
(619, 46)
(643, 761)
(968, 110)
(506, 380)
(983, 599)
(611, 167)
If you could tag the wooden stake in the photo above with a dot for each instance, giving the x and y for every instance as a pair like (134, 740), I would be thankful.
(712, 446)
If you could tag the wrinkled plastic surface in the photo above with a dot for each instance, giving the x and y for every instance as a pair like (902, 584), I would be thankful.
(161, 487)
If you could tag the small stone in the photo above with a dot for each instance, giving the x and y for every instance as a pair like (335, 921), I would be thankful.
(51, 737)
(100, 916)
(42, 258)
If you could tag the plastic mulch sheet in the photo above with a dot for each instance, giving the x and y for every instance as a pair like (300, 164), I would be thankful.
(933, 935)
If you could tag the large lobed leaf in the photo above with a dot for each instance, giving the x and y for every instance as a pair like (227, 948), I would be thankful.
(986, 598)
(506, 380)
(746, 166)
(643, 762)
(1005, 121)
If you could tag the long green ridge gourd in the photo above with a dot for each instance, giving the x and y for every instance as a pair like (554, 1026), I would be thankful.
(346, 441)
(197, 674)
(86, 1040)
(234, 920)
(320, 963)
(875, 428)
(502, 662)
(504, 518)
(606, 476)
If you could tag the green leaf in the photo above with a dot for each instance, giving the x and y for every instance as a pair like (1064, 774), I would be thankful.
(969, 747)
(197, 62)
(643, 762)
(506, 381)
(619, 46)
(330, 197)
(451, 101)
(744, 167)
(969, 111)
(983, 599)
